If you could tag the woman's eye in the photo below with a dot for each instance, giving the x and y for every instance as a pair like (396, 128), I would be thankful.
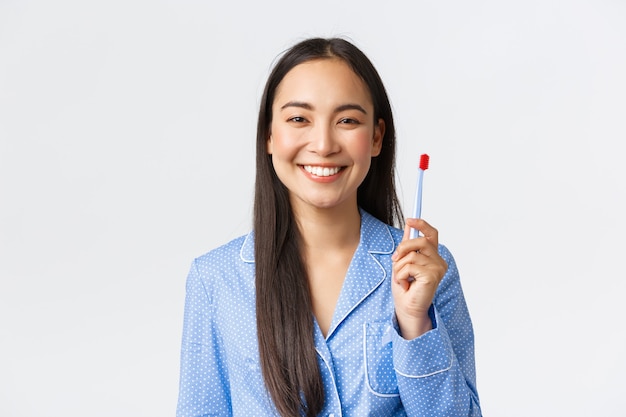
(297, 119)
(348, 120)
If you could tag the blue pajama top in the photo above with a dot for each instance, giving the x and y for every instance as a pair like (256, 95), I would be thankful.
(368, 369)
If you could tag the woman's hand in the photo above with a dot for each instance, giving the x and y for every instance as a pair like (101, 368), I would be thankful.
(417, 271)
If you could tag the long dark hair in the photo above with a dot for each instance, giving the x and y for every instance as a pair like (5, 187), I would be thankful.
(283, 301)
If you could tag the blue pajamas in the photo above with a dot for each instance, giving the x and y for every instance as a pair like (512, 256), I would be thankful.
(368, 369)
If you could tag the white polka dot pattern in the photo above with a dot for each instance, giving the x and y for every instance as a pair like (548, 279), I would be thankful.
(368, 369)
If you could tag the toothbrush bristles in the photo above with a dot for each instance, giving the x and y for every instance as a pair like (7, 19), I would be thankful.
(417, 210)
(424, 159)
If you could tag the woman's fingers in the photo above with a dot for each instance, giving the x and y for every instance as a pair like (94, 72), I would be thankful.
(417, 271)
(428, 231)
(416, 261)
(410, 273)
(428, 244)
(417, 266)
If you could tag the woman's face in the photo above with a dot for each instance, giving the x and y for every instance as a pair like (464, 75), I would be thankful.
(323, 134)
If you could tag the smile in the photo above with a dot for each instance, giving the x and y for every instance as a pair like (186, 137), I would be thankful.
(321, 171)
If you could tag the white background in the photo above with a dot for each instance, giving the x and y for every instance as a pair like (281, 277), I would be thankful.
(127, 149)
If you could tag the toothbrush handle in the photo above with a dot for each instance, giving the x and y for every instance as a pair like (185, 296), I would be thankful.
(417, 211)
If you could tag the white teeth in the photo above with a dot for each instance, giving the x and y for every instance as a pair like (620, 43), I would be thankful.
(321, 171)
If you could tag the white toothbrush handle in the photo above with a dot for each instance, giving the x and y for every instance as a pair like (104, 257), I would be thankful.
(417, 208)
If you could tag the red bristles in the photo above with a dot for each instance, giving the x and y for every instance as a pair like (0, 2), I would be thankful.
(424, 159)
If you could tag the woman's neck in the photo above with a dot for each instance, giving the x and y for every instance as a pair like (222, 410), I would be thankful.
(332, 229)
(330, 237)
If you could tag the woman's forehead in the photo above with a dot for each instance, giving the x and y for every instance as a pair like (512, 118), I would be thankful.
(329, 81)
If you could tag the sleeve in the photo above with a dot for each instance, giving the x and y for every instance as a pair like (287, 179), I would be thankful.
(436, 371)
(203, 387)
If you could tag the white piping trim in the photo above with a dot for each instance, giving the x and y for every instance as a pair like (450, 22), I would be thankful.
(243, 246)
(332, 376)
(367, 378)
(391, 241)
(374, 288)
(425, 375)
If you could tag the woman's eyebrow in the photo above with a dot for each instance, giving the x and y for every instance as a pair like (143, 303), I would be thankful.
(350, 106)
(300, 104)
(307, 106)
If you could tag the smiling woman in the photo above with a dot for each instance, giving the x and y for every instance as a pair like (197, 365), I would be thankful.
(323, 123)
(326, 308)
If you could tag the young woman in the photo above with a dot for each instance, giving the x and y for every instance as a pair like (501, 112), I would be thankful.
(325, 308)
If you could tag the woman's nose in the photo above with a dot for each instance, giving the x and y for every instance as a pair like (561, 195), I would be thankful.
(324, 141)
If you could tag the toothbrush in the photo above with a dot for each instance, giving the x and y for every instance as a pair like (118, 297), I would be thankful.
(417, 210)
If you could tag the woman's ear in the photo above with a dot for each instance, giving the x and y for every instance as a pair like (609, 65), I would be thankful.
(379, 133)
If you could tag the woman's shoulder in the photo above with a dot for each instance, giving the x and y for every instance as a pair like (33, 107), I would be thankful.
(223, 273)
(228, 254)
(373, 224)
